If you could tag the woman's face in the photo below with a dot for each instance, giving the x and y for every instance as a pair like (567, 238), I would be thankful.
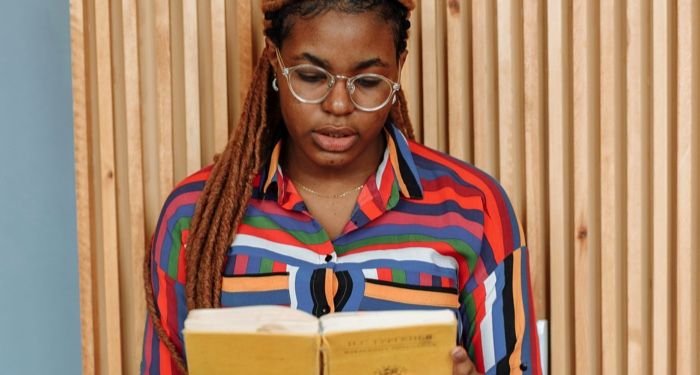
(334, 134)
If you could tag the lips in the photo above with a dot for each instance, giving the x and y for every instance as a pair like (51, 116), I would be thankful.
(334, 138)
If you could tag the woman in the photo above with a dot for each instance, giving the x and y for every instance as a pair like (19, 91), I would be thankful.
(321, 201)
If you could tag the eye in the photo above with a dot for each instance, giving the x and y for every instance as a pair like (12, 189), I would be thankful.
(368, 82)
(311, 76)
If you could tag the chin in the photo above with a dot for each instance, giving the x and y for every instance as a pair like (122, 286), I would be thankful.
(332, 160)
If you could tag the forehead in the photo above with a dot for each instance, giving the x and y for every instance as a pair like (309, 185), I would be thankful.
(342, 37)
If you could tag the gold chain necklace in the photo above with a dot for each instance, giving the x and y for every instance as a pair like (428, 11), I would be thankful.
(340, 195)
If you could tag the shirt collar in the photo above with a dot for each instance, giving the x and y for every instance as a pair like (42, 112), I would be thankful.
(396, 174)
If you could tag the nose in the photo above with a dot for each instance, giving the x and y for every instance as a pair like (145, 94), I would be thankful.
(338, 101)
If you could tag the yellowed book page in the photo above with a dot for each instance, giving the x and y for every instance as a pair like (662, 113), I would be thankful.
(416, 350)
(260, 353)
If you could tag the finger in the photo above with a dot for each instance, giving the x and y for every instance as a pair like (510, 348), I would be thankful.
(461, 363)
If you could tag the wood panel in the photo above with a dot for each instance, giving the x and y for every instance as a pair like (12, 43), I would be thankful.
(584, 110)
(433, 64)
(459, 116)
(193, 153)
(485, 86)
(535, 149)
(586, 120)
(662, 192)
(129, 177)
(688, 311)
(638, 225)
(83, 183)
(560, 171)
(612, 186)
(511, 133)
(219, 79)
(411, 82)
(107, 183)
(164, 97)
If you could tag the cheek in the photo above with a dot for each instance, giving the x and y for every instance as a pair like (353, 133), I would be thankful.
(293, 112)
(377, 119)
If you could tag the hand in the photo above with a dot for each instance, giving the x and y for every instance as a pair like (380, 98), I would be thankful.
(461, 365)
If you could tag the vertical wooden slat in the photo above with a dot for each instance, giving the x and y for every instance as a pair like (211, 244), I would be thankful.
(239, 48)
(137, 226)
(191, 73)
(485, 86)
(559, 19)
(178, 87)
(149, 112)
(434, 105)
(639, 109)
(662, 188)
(612, 186)
(536, 204)
(206, 83)
(164, 97)
(411, 82)
(246, 54)
(586, 284)
(219, 81)
(510, 102)
(458, 80)
(108, 189)
(687, 314)
(81, 139)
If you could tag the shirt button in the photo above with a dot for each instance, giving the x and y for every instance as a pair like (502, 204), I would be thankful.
(324, 310)
(329, 257)
(523, 367)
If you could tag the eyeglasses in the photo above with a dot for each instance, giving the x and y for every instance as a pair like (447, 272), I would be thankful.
(311, 84)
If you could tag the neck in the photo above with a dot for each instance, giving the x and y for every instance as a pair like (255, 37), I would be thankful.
(332, 179)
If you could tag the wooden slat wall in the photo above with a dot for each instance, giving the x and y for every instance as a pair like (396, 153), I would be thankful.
(587, 111)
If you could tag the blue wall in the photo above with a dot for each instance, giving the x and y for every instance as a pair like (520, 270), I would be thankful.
(39, 306)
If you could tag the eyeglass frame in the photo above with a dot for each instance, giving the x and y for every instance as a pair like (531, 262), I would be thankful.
(395, 86)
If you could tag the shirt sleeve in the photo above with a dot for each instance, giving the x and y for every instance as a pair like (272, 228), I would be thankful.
(167, 278)
(499, 328)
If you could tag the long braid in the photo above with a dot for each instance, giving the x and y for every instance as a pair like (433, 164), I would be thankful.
(254, 147)
(399, 113)
(223, 201)
(155, 316)
(219, 209)
(241, 157)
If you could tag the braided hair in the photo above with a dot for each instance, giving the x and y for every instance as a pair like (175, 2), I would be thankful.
(223, 202)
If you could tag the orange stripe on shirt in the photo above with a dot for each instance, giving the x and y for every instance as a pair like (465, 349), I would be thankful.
(519, 314)
(331, 287)
(411, 296)
(255, 283)
(395, 163)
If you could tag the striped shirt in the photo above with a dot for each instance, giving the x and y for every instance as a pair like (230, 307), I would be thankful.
(428, 231)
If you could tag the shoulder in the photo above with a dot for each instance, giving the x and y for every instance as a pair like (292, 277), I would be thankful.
(448, 176)
(186, 192)
(172, 228)
(434, 165)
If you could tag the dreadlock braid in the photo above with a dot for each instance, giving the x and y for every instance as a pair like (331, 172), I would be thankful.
(399, 113)
(220, 208)
(223, 201)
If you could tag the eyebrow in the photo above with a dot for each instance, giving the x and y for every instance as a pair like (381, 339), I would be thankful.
(376, 61)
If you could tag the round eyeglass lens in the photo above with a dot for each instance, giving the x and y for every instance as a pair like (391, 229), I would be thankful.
(309, 82)
(370, 90)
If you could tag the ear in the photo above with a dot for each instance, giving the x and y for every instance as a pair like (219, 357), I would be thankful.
(270, 53)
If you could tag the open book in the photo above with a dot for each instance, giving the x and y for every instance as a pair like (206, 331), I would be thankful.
(281, 340)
